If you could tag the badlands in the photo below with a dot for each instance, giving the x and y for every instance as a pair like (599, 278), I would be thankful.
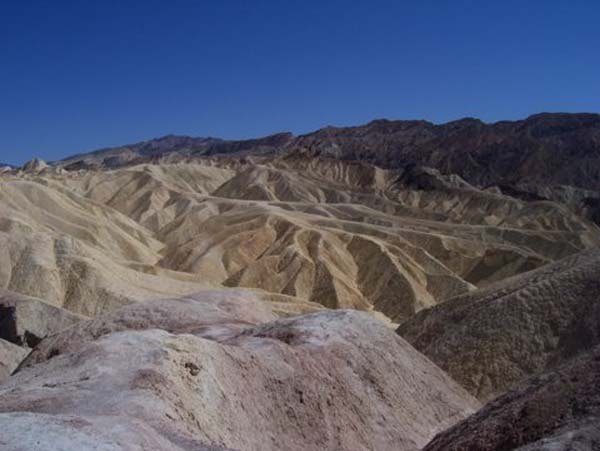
(394, 286)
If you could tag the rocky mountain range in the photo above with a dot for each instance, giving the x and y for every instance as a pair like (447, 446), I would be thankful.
(548, 156)
(553, 148)
(399, 285)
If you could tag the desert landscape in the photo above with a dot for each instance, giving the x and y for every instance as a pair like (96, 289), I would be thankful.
(398, 285)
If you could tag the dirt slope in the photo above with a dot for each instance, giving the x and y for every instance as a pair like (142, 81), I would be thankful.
(558, 411)
(492, 338)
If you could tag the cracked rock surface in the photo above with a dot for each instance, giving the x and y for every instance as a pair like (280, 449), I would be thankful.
(326, 380)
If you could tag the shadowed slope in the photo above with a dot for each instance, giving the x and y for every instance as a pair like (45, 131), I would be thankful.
(558, 411)
(10, 357)
(492, 338)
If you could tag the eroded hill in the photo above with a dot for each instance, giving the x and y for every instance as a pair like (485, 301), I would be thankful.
(491, 339)
(317, 231)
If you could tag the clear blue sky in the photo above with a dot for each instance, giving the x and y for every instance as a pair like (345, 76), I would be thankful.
(79, 75)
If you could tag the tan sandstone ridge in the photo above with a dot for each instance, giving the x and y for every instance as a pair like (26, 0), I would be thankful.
(220, 372)
(313, 231)
(490, 339)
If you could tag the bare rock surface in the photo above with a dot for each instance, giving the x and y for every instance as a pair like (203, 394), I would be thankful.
(34, 165)
(10, 357)
(494, 337)
(25, 320)
(214, 314)
(327, 380)
(557, 411)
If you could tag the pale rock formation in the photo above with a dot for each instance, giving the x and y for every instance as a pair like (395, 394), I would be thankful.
(11, 356)
(328, 380)
(34, 166)
(25, 320)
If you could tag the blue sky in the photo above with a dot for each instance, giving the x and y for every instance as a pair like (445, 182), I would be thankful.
(77, 76)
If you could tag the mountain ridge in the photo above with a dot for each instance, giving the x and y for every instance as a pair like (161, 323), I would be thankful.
(545, 148)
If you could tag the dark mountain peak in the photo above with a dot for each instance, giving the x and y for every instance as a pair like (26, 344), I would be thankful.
(390, 126)
(174, 143)
(378, 126)
(267, 144)
(397, 122)
(464, 122)
(175, 139)
(548, 124)
(568, 117)
(280, 137)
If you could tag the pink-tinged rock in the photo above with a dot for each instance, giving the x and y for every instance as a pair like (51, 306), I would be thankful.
(329, 380)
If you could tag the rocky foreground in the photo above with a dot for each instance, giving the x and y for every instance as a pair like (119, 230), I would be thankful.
(217, 371)
(221, 370)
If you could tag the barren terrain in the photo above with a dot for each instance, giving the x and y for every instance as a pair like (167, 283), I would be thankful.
(196, 293)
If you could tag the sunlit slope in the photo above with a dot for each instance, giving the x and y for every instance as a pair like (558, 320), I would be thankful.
(321, 231)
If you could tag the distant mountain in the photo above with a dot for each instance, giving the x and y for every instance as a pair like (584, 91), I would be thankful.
(547, 149)
(173, 147)
(551, 148)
